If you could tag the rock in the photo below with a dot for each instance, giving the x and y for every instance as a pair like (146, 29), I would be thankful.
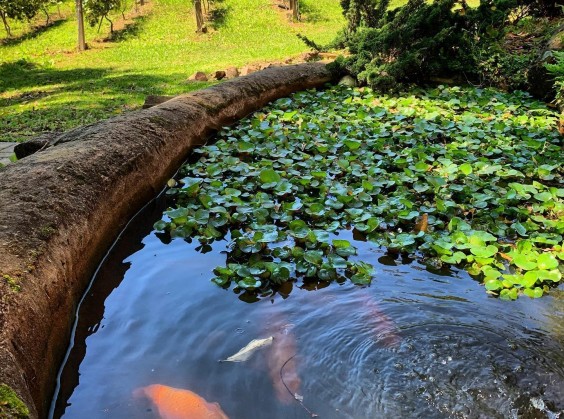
(269, 65)
(231, 73)
(309, 56)
(218, 75)
(248, 69)
(153, 100)
(328, 55)
(198, 76)
(348, 81)
(36, 144)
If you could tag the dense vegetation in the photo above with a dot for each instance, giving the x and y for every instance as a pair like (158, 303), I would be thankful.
(465, 177)
(494, 43)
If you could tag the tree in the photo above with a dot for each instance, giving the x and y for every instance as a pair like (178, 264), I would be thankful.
(80, 22)
(295, 8)
(199, 16)
(45, 4)
(18, 10)
(98, 10)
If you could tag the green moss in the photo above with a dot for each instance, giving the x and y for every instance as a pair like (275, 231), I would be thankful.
(46, 231)
(13, 283)
(10, 404)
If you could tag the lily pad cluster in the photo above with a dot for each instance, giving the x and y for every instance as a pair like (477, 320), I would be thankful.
(466, 177)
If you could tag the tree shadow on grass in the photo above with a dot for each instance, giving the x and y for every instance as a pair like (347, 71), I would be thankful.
(23, 74)
(39, 99)
(130, 30)
(218, 16)
(34, 33)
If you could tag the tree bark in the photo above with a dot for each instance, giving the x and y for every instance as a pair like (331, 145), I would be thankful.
(47, 16)
(295, 8)
(199, 16)
(6, 26)
(296, 11)
(80, 22)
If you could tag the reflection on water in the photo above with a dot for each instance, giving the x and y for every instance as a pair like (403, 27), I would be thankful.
(413, 344)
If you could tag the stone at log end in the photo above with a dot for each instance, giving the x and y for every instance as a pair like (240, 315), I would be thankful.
(218, 75)
(249, 69)
(231, 72)
(153, 100)
(27, 148)
(198, 76)
(61, 208)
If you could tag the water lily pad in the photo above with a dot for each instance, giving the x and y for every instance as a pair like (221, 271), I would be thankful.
(275, 187)
(524, 262)
(546, 261)
(249, 283)
(536, 292)
(269, 176)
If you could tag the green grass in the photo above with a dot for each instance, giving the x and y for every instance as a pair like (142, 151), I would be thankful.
(45, 85)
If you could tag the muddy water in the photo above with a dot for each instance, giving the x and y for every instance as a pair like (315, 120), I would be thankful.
(415, 344)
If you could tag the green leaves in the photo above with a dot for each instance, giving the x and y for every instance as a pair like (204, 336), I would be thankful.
(546, 261)
(269, 176)
(410, 174)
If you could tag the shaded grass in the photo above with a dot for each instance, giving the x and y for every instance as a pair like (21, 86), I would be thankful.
(34, 32)
(45, 85)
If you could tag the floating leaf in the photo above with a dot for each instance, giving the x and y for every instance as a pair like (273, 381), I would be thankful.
(546, 261)
(465, 169)
(249, 283)
(534, 293)
(493, 285)
(484, 252)
(524, 262)
(275, 187)
(269, 176)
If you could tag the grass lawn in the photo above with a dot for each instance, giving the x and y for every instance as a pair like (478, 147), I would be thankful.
(46, 86)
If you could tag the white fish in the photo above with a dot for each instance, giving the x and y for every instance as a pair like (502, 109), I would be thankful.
(248, 350)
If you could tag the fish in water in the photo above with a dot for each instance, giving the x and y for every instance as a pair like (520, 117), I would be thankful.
(177, 403)
(283, 368)
(384, 329)
(248, 350)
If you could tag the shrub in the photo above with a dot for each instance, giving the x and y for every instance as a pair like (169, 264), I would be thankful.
(557, 70)
(421, 40)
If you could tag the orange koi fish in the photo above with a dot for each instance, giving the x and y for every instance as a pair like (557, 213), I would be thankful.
(385, 330)
(177, 403)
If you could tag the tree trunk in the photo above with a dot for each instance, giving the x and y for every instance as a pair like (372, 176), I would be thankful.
(46, 15)
(296, 11)
(199, 15)
(80, 22)
(111, 24)
(6, 26)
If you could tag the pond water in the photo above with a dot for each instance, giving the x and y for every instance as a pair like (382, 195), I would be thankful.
(415, 343)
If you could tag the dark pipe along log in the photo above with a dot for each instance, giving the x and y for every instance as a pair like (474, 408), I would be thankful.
(61, 208)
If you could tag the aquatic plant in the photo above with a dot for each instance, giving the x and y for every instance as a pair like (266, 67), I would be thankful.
(466, 177)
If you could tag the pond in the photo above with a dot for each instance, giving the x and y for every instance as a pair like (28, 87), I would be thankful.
(359, 255)
(413, 344)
